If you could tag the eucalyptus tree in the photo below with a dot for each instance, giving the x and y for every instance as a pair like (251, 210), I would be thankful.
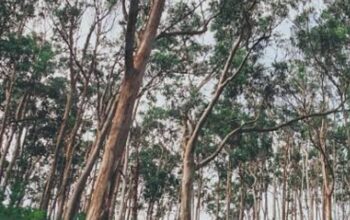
(26, 62)
(327, 59)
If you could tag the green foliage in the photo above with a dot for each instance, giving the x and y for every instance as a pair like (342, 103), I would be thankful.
(80, 216)
(157, 174)
(12, 213)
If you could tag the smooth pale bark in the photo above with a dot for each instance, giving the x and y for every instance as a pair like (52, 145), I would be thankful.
(62, 193)
(18, 116)
(228, 189)
(17, 147)
(7, 108)
(199, 196)
(318, 215)
(187, 185)
(135, 182)
(113, 200)
(191, 141)
(285, 183)
(242, 195)
(327, 188)
(217, 198)
(124, 185)
(274, 197)
(327, 195)
(122, 119)
(125, 199)
(150, 211)
(266, 206)
(69, 153)
(6, 149)
(20, 113)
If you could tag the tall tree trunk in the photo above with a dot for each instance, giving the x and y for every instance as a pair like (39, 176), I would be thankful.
(327, 199)
(135, 185)
(326, 173)
(6, 149)
(266, 205)
(274, 197)
(242, 193)
(62, 191)
(17, 147)
(199, 195)
(285, 183)
(8, 93)
(74, 201)
(229, 189)
(44, 202)
(69, 153)
(187, 185)
(217, 213)
(111, 205)
(127, 96)
(20, 112)
(124, 186)
(300, 202)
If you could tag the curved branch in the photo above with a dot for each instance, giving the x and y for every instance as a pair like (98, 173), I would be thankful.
(207, 160)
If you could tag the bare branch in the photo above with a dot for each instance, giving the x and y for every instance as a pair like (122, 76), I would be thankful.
(207, 160)
(187, 32)
(290, 122)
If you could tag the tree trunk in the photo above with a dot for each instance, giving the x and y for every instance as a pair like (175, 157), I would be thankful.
(124, 186)
(69, 154)
(187, 185)
(62, 193)
(20, 112)
(274, 197)
(228, 189)
(242, 193)
(7, 106)
(217, 213)
(327, 203)
(113, 200)
(135, 185)
(6, 149)
(284, 190)
(14, 157)
(122, 119)
(73, 203)
(300, 199)
(266, 205)
(326, 174)
(199, 196)
(44, 202)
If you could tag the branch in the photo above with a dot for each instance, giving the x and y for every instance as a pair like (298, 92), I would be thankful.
(241, 129)
(188, 32)
(239, 69)
(181, 18)
(218, 91)
(285, 124)
(207, 160)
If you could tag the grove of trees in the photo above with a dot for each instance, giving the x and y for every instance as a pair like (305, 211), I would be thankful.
(184, 109)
